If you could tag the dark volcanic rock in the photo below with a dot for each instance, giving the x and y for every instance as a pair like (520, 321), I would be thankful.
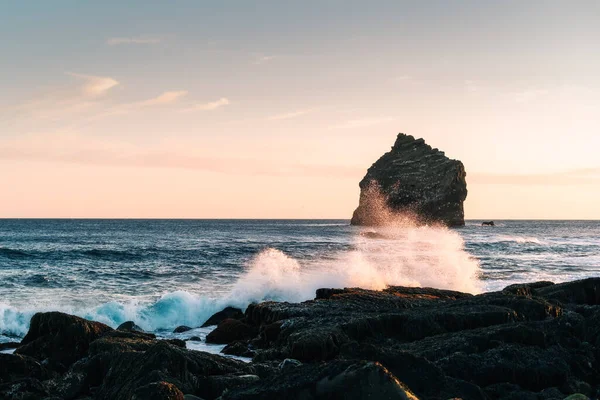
(60, 338)
(238, 349)
(529, 341)
(416, 180)
(128, 371)
(16, 367)
(336, 380)
(226, 313)
(9, 345)
(231, 330)
(158, 391)
(129, 326)
(181, 329)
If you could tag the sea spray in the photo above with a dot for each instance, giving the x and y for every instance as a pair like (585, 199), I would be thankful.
(401, 250)
(407, 256)
(403, 254)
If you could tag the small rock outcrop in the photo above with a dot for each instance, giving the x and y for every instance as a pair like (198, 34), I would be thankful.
(226, 313)
(230, 330)
(415, 180)
(129, 326)
(60, 338)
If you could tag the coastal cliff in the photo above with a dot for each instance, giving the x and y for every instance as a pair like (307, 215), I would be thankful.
(413, 179)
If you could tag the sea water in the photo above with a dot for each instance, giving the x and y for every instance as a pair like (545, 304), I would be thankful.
(166, 273)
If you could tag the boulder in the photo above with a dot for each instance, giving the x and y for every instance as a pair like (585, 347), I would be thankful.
(336, 380)
(211, 387)
(238, 349)
(129, 326)
(158, 391)
(161, 362)
(25, 389)
(15, 367)
(60, 338)
(9, 345)
(226, 313)
(289, 363)
(585, 291)
(413, 180)
(231, 330)
(181, 329)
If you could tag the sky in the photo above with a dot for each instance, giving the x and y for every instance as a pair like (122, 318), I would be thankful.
(275, 109)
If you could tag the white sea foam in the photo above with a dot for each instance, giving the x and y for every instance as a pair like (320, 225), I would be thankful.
(400, 252)
(409, 256)
(520, 239)
(399, 255)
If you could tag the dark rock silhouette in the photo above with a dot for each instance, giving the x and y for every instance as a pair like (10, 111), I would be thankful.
(60, 339)
(230, 330)
(414, 180)
(129, 326)
(226, 313)
(487, 223)
(528, 341)
(181, 329)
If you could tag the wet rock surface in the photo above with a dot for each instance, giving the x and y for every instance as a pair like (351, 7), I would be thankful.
(226, 313)
(529, 341)
(413, 178)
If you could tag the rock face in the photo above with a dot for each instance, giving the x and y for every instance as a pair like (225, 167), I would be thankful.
(528, 341)
(226, 313)
(412, 179)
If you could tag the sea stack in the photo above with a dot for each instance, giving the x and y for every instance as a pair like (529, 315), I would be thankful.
(413, 179)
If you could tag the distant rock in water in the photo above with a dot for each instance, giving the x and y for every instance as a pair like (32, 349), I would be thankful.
(415, 180)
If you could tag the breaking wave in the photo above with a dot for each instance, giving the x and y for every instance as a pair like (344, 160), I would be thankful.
(398, 252)
(410, 256)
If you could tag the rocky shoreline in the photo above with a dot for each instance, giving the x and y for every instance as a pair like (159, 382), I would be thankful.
(529, 341)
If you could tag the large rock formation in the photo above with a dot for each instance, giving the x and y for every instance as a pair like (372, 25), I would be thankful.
(412, 179)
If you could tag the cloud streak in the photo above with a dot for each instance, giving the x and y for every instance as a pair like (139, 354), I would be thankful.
(163, 99)
(95, 85)
(213, 105)
(290, 115)
(77, 149)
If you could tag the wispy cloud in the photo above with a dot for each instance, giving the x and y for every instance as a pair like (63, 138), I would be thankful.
(290, 115)
(70, 147)
(95, 85)
(116, 41)
(162, 99)
(263, 59)
(361, 123)
(213, 105)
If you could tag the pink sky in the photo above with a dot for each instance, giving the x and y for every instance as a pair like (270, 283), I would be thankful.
(200, 113)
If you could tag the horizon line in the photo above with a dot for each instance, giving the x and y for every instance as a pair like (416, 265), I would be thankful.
(266, 219)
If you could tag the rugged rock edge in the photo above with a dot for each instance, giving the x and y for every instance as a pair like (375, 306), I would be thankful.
(530, 341)
(414, 181)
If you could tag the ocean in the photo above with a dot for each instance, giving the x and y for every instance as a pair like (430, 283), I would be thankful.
(166, 273)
